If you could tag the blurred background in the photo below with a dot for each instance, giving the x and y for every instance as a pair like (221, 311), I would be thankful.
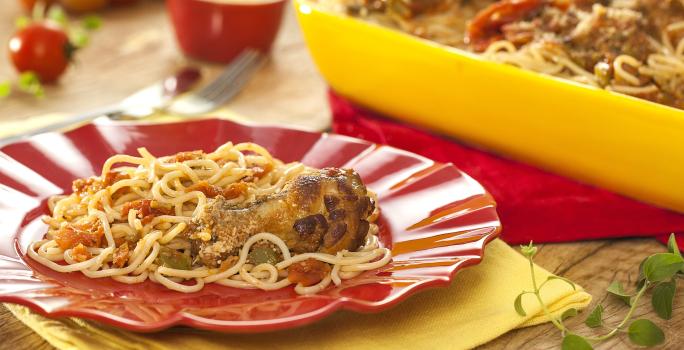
(135, 46)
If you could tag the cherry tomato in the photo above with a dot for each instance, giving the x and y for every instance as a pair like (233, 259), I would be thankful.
(485, 27)
(42, 48)
(83, 5)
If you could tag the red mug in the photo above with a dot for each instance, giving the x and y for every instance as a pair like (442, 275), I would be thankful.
(218, 30)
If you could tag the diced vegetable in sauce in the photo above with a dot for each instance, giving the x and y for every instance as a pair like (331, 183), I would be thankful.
(173, 259)
(263, 255)
(89, 235)
(308, 272)
(80, 253)
(120, 255)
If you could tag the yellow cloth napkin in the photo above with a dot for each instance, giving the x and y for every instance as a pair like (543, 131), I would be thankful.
(476, 308)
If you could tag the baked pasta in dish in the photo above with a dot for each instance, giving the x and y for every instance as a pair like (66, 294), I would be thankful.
(635, 47)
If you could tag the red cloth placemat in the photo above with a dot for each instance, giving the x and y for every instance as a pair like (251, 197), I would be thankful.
(533, 204)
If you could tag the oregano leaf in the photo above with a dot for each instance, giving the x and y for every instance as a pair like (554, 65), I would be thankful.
(5, 88)
(91, 22)
(663, 297)
(662, 266)
(528, 250)
(57, 15)
(645, 333)
(575, 342)
(672, 246)
(617, 290)
(571, 312)
(29, 82)
(518, 305)
(595, 318)
(553, 277)
(21, 22)
(641, 279)
(79, 38)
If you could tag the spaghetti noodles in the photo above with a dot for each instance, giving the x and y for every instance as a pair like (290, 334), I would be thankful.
(133, 223)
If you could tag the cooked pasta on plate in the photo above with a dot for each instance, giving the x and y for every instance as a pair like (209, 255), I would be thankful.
(236, 217)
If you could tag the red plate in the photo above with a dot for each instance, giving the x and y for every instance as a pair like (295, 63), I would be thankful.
(435, 219)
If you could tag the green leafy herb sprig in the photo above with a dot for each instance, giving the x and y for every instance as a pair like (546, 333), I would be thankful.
(27, 82)
(658, 273)
(5, 88)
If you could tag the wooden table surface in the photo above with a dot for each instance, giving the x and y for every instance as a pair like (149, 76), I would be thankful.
(136, 47)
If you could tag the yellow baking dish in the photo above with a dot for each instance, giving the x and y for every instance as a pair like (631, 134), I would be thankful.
(631, 146)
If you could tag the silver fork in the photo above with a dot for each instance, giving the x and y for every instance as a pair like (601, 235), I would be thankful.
(142, 103)
(222, 89)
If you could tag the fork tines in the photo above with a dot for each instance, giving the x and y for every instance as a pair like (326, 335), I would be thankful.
(232, 78)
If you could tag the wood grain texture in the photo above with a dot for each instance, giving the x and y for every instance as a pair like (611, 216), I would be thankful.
(136, 47)
(17, 336)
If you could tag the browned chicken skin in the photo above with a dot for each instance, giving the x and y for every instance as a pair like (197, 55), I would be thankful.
(325, 210)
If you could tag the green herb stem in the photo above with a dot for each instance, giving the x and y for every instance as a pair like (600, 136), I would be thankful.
(555, 321)
(658, 270)
(627, 317)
